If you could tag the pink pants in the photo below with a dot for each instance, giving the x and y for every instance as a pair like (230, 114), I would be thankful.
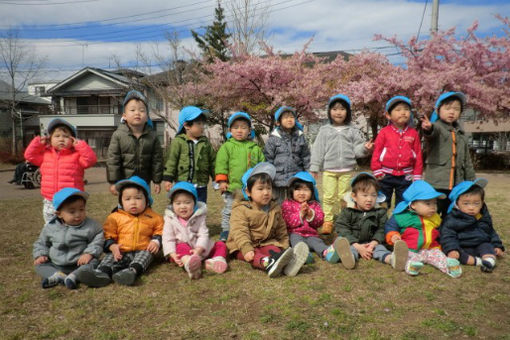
(219, 249)
(434, 257)
(260, 253)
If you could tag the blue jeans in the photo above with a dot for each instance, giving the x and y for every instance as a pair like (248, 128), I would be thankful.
(398, 183)
(202, 194)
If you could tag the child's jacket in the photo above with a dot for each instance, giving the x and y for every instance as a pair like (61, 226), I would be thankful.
(334, 149)
(303, 227)
(397, 152)
(289, 153)
(64, 245)
(190, 162)
(130, 156)
(460, 230)
(448, 162)
(60, 169)
(251, 227)
(417, 231)
(195, 233)
(132, 232)
(234, 158)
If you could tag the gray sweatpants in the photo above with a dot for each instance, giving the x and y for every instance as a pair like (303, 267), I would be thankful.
(379, 254)
(314, 243)
(47, 269)
(228, 199)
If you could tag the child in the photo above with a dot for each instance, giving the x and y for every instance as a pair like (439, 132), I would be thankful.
(287, 149)
(191, 156)
(62, 159)
(133, 235)
(234, 157)
(186, 236)
(134, 148)
(70, 243)
(334, 151)
(467, 233)
(415, 221)
(448, 161)
(360, 227)
(397, 158)
(258, 234)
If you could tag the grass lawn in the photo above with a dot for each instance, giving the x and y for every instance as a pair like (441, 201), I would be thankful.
(323, 301)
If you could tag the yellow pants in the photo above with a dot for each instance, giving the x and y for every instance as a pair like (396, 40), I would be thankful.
(334, 187)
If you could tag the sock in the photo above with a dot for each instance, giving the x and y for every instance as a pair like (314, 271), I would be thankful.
(478, 261)
(70, 281)
(53, 280)
(264, 261)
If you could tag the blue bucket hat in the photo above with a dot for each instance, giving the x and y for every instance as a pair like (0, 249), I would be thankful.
(292, 110)
(240, 115)
(58, 122)
(138, 181)
(395, 100)
(461, 96)
(380, 196)
(63, 194)
(305, 177)
(419, 190)
(261, 168)
(187, 187)
(189, 113)
(461, 188)
(134, 94)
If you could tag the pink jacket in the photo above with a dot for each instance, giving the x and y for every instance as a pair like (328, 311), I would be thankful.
(290, 211)
(60, 169)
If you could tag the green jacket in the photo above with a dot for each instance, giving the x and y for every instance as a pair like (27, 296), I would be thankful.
(234, 158)
(130, 156)
(439, 160)
(189, 162)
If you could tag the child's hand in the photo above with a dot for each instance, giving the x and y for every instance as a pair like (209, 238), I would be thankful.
(115, 249)
(454, 254)
(113, 190)
(303, 210)
(177, 259)
(74, 140)
(40, 260)
(197, 251)
(167, 185)
(249, 256)
(45, 139)
(363, 250)
(499, 252)
(315, 174)
(153, 247)
(223, 186)
(157, 188)
(84, 259)
(425, 123)
(369, 145)
(395, 238)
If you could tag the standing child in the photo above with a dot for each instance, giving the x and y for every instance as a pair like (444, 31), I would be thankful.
(360, 227)
(397, 158)
(235, 156)
(62, 159)
(467, 233)
(70, 243)
(186, 236)
(134, 148)
(191, 156)
(133, 235)
(415, 221)
(448, 161)
(334, 152)
(287, 149)
(258, 234)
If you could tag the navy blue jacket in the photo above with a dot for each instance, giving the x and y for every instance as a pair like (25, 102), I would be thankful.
(460, 230)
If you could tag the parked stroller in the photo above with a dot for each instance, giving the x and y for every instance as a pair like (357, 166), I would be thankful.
(27, 174)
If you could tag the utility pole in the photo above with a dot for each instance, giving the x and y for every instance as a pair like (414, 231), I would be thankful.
(435, 16)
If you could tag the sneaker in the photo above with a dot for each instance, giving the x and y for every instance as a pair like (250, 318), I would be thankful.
(413, 267)
(453, 267)
(343, 249)
(224, 236)
(309, 258)
(327, 228)
(54, 280)
(194, 267)
(217, 264)
(94, 278)
(300, 253)
(331, 255)
(70, 282)
(278, 261)
(399, 256)
(486, 267)
(125, 277)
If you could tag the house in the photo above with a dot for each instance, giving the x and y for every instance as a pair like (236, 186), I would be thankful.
(40, 89)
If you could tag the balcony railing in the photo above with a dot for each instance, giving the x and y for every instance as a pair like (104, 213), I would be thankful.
(91, 109)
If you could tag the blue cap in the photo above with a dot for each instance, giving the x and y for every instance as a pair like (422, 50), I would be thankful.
(59, 121)
(63, 194)
(240, 115)
(292, 110)
(461, 96)
(419, 190)
(187, 187)
(138, 181)
(461, 188)
(263, 167)
(189, 113)
(134, 94)
(341, 97)
(380, 196)
(395, 100)
(305, 177)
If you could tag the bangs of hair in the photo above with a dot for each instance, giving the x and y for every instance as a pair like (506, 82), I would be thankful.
(132, 185)
(181, 192)
(451, 100)
(474, 190)
(71, 200)
(62, 127)
(262, 178)
(298, 184)
(364, 184)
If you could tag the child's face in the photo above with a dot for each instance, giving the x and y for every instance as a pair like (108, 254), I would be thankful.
(470, 204)
(450, 112)
(72, 213)
(195, 129)
(133, 201)
(365, 199)
(61, 138)
(338, 113)
(400, 115)
(425, 208)
(183, 205)
(135, 113)
(260, 193)
(287, 121)
(240, 129)
(302, 193)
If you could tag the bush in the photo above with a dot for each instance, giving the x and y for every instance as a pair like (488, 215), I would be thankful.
(491, 160)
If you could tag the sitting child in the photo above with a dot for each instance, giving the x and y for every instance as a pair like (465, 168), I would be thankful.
(360, 227)
(69, 243)
(258, 233)
(415, 220)
(186, 236)
(467, 233)
(133, 235)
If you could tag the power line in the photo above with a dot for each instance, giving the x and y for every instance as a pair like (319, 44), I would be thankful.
(421, 22)
(45, 4)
